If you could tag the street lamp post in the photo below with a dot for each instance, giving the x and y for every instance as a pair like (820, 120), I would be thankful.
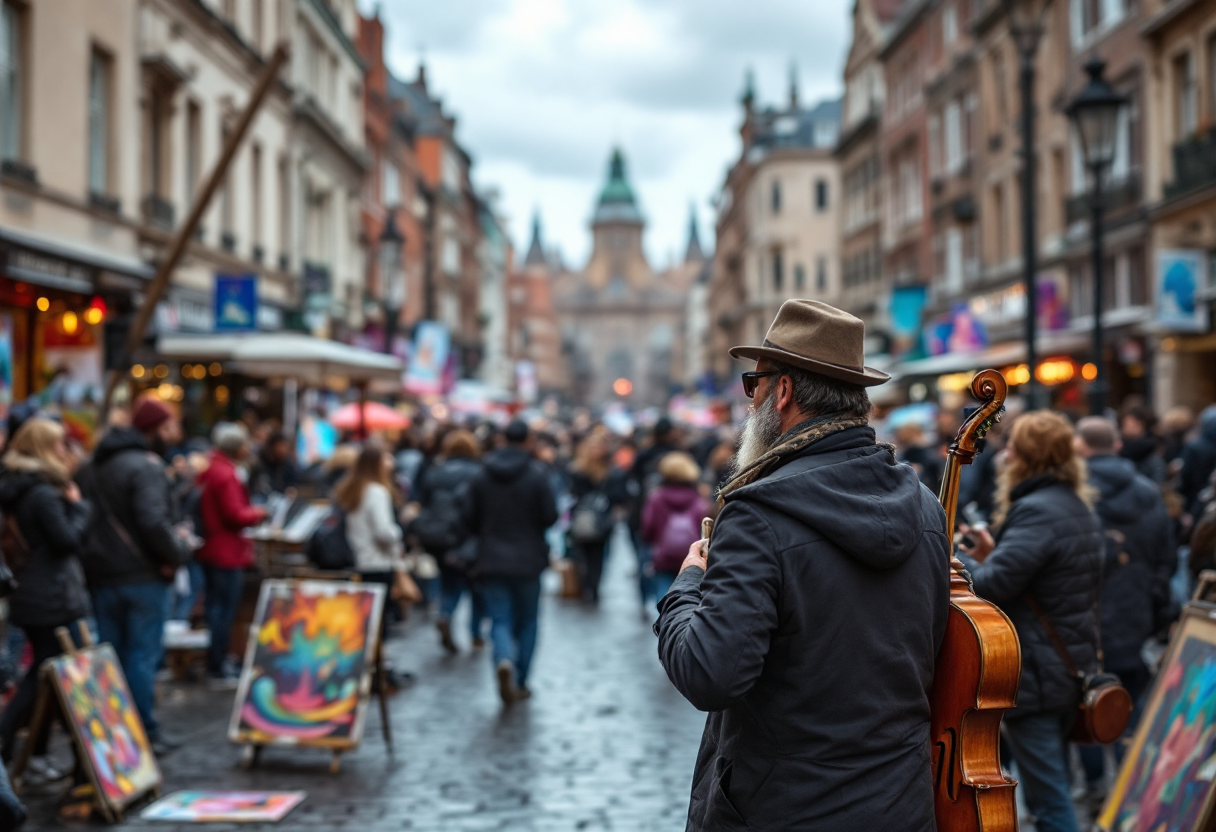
(392, 277)
(1094, 114)
(1026, 29)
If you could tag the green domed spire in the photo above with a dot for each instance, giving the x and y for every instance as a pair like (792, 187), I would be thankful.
(617, 201)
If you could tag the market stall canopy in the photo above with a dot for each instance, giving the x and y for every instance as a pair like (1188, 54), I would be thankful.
(309, 359)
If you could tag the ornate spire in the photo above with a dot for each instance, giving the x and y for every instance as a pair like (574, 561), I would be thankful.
(749, 89)
(793, 85)
(617, 202)
(536, 249)
(694, 253)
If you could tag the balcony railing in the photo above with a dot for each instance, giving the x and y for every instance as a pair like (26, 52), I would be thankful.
(1116, 197)
(1194, 164)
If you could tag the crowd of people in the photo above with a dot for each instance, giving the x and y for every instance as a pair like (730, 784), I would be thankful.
(1094, 527)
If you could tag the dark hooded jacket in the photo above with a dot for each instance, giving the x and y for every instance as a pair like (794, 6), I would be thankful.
(510, 505)
(50, 585)
(1198, 462)
(1048, 548)
(131, 537)
(1140, 559)
(811, 641)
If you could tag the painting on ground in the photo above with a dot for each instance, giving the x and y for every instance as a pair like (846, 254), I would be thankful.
(307, 672)
(1165, 783)
(97, 703)
(224, 807)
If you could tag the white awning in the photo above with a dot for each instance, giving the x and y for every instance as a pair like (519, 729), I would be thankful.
(284, 354)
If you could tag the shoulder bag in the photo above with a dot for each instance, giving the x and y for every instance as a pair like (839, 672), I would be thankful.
(1106, 706)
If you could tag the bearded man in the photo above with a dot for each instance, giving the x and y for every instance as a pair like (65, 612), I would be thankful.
(810, 634)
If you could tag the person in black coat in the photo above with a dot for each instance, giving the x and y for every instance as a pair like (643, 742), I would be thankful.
(441, 493)
(1198, 463)
(51, 525)
(1047, 554)
(510, 506)
(810, 634)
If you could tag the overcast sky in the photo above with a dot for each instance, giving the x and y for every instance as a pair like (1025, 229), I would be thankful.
(544, 88)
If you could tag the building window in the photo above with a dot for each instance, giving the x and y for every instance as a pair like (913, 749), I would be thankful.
(821, 274)
(284, 211)
(1092, 18)
(1186, 94)
(101, 71)
(954, 261)
(778, 271)
(775, 198)
(194, 148)
(799, 277)
(12, 98)
(258, 29)
(954, 137)
(821, 195)
(226, 201)
(1212, 78)
(255, 188)
(1002, 223)
(949, 25)
(158, 144)
(391, 186)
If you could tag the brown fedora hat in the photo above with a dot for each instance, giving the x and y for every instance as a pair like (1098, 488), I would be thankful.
(820, 338)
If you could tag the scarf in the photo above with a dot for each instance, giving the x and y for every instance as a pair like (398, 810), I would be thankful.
(793, 441)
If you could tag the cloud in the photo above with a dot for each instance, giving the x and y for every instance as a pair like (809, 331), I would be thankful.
(543, 89)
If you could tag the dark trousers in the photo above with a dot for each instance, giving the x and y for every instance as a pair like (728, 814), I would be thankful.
(514, 608)
(20, 708)
(592, 556)
(220, 601)
(132, 618)
(1039, 746)
(453, 583)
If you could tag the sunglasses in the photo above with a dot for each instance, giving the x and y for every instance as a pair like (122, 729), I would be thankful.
(752, 379)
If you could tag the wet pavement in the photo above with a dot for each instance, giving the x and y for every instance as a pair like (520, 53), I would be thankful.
(605, 743)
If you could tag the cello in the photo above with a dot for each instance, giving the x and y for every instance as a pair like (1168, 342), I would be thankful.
(978, 666)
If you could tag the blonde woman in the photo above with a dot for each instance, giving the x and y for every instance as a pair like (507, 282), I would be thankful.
(591, 520)
(1046, 559)
(37, 491)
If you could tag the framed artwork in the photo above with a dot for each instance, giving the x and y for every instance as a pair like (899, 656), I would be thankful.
(1165, 783)
(224, 807)
(308, 666)
(103, 720)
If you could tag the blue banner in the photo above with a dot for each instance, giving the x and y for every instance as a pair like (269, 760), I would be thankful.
(236, 303)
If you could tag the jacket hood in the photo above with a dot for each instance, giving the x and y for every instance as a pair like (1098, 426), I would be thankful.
(854, 493)
(117, 440)
(15, 482)
(677, 497)
(1120, 501)
(508, 464)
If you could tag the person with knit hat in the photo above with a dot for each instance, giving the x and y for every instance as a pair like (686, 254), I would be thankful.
(135, 546)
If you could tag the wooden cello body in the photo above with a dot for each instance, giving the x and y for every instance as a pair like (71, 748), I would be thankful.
(978, 668)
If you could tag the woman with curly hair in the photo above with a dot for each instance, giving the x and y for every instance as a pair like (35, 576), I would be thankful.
(1044, 563)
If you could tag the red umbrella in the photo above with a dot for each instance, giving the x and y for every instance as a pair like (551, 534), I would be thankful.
(376, 416)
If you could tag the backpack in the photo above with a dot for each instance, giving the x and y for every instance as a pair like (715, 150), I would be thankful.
(681, 531)
(440, 526)
(328, 547)
(591, 520)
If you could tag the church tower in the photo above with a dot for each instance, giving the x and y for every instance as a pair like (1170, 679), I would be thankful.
(618, 262)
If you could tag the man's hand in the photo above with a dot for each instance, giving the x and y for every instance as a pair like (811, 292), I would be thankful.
(984, 544)
(697, 555)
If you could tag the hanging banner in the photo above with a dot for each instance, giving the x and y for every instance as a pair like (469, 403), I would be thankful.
(1180, 274)
(236, 303)
(429, 359)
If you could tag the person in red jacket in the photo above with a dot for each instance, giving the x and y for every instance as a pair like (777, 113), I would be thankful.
(225, 554)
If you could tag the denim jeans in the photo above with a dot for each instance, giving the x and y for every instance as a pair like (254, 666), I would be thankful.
(132, 618)
(645, 568)
(513, 605)
(1039, 746)
(220, 602)
(183, 605)
(453, 584)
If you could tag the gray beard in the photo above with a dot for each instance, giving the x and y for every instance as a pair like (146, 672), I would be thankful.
(760, 432)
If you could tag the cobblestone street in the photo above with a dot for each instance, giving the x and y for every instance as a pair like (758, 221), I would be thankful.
(604, 744)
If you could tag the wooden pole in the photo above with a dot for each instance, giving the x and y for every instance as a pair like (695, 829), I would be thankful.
(177, 246)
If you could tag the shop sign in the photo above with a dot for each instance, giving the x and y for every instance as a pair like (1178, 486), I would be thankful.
(1180, 273)
(236, 302)
(50, 271)
(180, 314)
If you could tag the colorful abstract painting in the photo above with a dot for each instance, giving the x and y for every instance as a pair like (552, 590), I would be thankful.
(1166, 780)
(224, 807)
(308, 665)
(97, 703)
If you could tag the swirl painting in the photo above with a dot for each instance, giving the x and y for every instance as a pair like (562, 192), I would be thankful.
(308, 665)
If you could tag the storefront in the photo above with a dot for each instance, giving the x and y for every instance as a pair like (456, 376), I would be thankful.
(55, 298)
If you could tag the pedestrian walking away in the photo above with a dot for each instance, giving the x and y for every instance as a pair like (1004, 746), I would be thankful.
(809, 634)
(1046, 557)
(510, 506)
(671, 520)
(135, 545)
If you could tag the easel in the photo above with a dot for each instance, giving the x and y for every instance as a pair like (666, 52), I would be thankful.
(40, 726)
(252, 753)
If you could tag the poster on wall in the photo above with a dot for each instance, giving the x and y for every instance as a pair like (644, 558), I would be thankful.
(1180, 276)
(1166, 780)
(236, 302)
(308, 665)
(429, 359)
(6, 364)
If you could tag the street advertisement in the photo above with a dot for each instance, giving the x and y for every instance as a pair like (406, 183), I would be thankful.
(1180, 274)
(907, 308)
(429, 358)
(236, 303)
